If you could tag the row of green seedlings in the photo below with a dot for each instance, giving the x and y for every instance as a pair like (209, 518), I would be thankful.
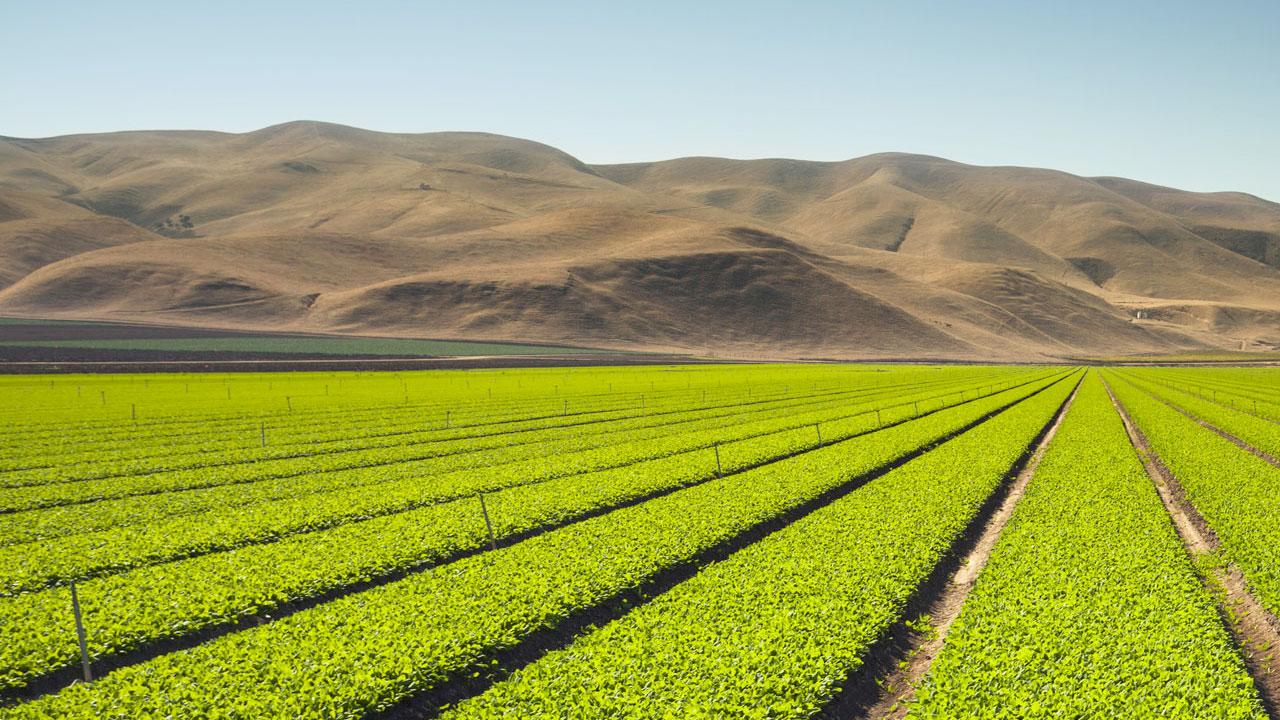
(363, 460)
(289, 406)
(310, 507)
(77, 519)
(681, 393)
(1089, 601)
(203, 448)
(1243, 403)
(94, 469)
(381, 415)
(673, 392)
(213, 580)
(81, 634)
(99, 488)
(797, 478)
(1257, 382)
(1255, 432)
(1230, 401)
(144, 597)
(1236, 493)
(202, 454)
(784, 623)
(202, 420)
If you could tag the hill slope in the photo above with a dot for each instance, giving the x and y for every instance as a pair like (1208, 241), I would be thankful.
(318, 227)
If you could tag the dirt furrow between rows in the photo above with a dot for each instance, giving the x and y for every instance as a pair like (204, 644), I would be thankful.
(888, 681)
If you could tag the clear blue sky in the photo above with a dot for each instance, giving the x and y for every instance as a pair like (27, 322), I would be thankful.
(1179, 92)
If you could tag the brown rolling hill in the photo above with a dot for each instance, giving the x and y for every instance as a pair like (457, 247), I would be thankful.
(324, 228)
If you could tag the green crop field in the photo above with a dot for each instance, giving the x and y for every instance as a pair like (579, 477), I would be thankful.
(684, 541)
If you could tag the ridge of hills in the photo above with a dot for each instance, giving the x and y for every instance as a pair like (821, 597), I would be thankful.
(315, 227)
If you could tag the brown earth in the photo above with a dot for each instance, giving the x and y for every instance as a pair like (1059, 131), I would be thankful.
(311, 227)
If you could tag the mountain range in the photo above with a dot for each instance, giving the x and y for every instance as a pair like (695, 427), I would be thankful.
(315, 227)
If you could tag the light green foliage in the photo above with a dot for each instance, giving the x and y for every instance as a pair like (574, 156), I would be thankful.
(368, 649)
(329, 530)
(1089, 605)
(774, 630)
(1252, 390)
(336, 498)
(158, 494)
(1238, 494)
(1232, 414)
(131, 608)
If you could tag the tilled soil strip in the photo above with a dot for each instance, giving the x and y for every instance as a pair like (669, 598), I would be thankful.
(1255, 630)
(921, 646)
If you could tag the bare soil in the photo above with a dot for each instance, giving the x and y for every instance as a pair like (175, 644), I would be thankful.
(898, 688)
(468, 234)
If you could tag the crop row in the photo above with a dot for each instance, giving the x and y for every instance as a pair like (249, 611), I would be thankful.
(1238, 494)
(1205, 385)
(466, 452)
(191, 414)
(204, 469)
(294, 436)
(162, 448)
(307, 400)
(323, 501)
(1253, 430)
(1089, 602)
(366, 650)
(526, 460)
(1262, 382)
(144, 605)
(776, 629)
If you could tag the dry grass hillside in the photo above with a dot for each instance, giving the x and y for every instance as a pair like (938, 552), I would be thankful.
(316, 227)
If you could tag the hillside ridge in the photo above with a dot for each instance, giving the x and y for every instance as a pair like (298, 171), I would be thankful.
(318, 227)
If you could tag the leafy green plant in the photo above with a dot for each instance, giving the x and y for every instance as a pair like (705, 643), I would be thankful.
(773, 631)
(366, 650)
(1089, 604)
